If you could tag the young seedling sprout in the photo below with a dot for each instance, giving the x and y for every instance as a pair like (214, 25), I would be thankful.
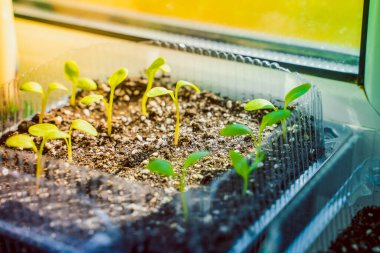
(158, 64)
(81, 125)
(73, 75)
(44, 130)
(260, 104)
(164, 168)
(242, 166)
(117, 78)
(237, 129)
(159, 91)
(37, 88)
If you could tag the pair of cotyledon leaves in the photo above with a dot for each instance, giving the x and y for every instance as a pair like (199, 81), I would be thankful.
(47, 131)
(165, 168)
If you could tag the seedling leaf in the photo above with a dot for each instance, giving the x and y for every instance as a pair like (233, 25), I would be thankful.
(161, 167)
(57, 134)
(32, 87)
(56, 86)
(117, 77)
(259, 104)
(165, 68)
(21, 141)
(90, 99)
(235, 129)
(87, 84)
(239, 162)
(296, 93)
(41, 130)
(84, 126)
(156, 64)
(273, 118)
(71, 71)
(194, 157)
(158, 91)
(186, 83)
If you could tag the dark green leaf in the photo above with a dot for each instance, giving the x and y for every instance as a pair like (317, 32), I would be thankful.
(296, 93)
(194, 157)
(239, 163)
(235, 129)
(273, 118)
(161, 167)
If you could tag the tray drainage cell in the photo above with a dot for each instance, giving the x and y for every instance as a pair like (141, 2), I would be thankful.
(356, 204)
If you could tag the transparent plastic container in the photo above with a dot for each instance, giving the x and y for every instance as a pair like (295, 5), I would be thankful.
(361, 189)
(293, 162)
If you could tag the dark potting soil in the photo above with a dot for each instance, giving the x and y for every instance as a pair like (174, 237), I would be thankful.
(135, 138)
(363, 234)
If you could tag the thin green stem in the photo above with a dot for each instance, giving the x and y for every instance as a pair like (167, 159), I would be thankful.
(145, 97)
(73, 93)
(43, 108)
(183, 195)
(176, 133)
(69, 148)
(283, 123)
(39, 166)
(245, 187)
(109, 111)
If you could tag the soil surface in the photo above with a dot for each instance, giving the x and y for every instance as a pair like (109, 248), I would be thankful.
(363, 235)
(135, 138)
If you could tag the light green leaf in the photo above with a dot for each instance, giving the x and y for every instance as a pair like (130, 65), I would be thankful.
(71, 71)
(273, 118)
(194, 157)
(117, 77)
(239, 163)
(186, 83)
(32, 87)
(90, 99)
(161, 167)
(296, 93)
(84, 126)
(41, 130)
(165, 68)
(87, 84)
(56, 134)
(235, 129)
(156, 64)
(56, 86)
(21, 141)
(158, 91)
(259, 104)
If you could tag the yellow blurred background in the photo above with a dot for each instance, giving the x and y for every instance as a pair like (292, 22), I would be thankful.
(336, 22)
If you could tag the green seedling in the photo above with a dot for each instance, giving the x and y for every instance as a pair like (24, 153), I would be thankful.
(117, 78)
(164, 168)
(242, 166)
(81, 125)
(37, 88)
(159, 91)
(158, 64)
(237, 129)
(72, 74)
(44, 130)
(293, 94)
